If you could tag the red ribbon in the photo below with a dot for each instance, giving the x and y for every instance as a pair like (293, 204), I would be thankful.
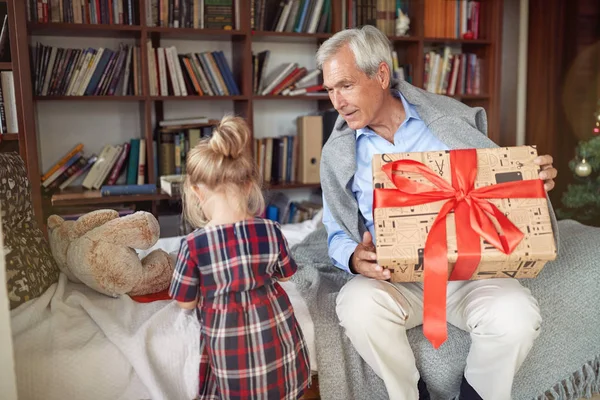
(472, 215)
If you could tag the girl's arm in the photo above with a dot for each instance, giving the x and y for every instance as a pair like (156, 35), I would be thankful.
(188, 305)
(186, 279)
(286, 266)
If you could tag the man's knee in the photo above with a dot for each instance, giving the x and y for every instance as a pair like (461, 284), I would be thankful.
(514, 314)
(363, 299)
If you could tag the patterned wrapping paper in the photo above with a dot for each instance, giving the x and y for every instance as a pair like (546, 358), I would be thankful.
(401, 232)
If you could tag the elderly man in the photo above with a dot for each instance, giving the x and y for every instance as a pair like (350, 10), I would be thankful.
(379, 115)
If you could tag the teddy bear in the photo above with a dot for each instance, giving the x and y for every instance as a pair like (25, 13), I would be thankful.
(98, 249)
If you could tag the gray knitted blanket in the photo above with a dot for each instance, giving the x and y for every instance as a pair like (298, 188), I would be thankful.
(563, 365)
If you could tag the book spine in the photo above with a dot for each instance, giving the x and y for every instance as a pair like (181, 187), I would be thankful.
(125, 190)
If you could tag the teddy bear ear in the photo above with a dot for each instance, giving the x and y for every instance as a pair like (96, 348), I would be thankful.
(55, 221)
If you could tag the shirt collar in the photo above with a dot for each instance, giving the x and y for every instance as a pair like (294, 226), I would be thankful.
(409, 109)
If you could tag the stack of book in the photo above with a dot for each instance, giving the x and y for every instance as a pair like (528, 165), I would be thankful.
(288, 79)
(202, 74)
(300, 16)
(197, 14)
(117, 170)
(123, 12)
(86, 72)
(452, 73)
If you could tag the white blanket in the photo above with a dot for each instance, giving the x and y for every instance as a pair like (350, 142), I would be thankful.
(74, 343)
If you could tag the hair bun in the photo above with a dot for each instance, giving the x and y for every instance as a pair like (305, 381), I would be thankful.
(230, 137)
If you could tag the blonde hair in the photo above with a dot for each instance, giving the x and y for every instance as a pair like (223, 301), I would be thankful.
(223, 162)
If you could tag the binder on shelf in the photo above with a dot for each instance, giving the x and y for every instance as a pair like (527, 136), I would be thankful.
(310, 131)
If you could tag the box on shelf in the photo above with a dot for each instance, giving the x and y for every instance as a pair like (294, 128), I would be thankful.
(401, 232)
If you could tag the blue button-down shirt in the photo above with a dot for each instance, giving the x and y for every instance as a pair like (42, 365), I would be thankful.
(412, 135)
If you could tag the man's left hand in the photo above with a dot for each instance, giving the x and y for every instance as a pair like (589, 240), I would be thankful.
(548, 172)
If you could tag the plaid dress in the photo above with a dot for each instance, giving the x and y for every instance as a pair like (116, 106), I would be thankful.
(251, 344)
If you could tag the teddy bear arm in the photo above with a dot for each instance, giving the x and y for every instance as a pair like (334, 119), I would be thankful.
(139, 230)
(92, 220)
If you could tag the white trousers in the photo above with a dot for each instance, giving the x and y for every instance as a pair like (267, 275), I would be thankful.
(501, 316)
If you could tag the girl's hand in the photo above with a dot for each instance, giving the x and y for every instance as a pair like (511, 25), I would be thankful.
(189, 305)
(284, 279)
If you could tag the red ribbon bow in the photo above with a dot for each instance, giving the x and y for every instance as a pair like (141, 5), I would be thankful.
(472, 213)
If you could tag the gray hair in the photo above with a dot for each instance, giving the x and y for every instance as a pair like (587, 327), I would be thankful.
(368, 44)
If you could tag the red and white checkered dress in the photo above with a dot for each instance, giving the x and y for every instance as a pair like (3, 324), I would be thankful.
(251, 344)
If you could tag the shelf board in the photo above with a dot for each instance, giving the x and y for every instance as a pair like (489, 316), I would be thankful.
(197, 98)
(287, 36)
(471, 97)
(89, 98)
(457, 41)
(414, 39)
(6, 66)
(300, 97)
(69, 29)
(191, 33)
(9, 137)
(94, 197)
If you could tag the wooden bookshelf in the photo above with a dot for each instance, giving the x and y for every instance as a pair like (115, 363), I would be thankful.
(411, 50)
(9, 137)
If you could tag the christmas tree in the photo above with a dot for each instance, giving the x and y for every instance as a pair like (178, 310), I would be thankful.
(581, 201)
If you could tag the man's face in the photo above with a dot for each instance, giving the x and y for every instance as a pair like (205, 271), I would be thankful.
(353, 94)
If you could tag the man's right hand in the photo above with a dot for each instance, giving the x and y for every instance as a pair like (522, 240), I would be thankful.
(364, 260)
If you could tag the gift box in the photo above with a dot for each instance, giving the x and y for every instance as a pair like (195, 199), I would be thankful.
(459, 215)
(404, 216)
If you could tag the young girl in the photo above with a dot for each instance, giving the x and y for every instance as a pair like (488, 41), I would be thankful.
(251, 344)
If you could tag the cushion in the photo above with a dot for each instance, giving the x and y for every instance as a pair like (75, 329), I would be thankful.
(30, 267)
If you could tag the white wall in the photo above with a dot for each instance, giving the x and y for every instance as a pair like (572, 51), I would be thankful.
(8, 386)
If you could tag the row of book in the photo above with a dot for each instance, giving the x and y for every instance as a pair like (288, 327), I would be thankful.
(281, 209)
(8, 104)
(452, 74)
(122, 164)
(379, 13)
(300, 16)
(123, 12)
(176, 140)
(453, 19)
(286, 79)
(197, 14)
(291, 158)
(202, 74)
(401, 71)
(86, 72)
